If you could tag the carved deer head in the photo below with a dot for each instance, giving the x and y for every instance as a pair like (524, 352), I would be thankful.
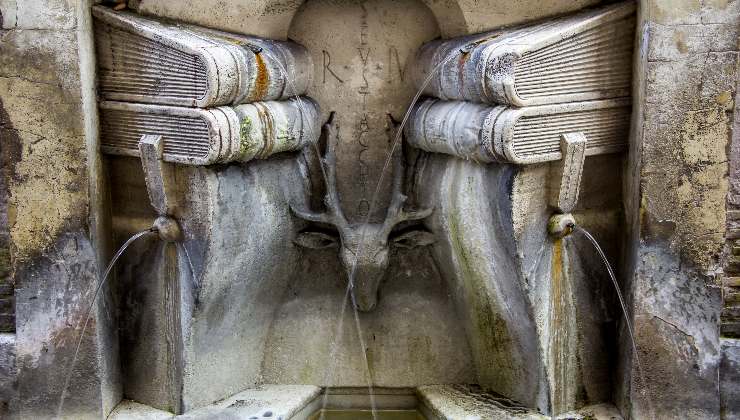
(364, 247)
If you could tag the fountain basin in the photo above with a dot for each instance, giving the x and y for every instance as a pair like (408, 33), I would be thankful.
(368, 415)
(307, 402)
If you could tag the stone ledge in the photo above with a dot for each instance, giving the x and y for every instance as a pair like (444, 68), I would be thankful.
(472, 402)
(469, 401)
(280, 401)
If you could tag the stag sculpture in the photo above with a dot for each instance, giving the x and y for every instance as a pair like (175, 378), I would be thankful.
(364, 247)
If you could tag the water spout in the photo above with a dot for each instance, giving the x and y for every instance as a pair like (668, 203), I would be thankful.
(99, 287)
(623, 305)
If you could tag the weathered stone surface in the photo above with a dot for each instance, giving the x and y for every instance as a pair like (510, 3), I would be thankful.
(686, 72)
(482, 273)
(45, 14)
(507, 307)
(265, 401)
(508, 357)
(291, 307)
(7, 313)
(729, 379)
(360, 53)
(8, 376)
(185, 318)
(462, 402)
(131, 410)
(306, 345)
(8, 14)
(45, 125)
(271, 18)
(278, 401)
(50, 315)
(43, 121)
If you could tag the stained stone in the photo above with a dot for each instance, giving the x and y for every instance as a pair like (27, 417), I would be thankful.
(466, 306)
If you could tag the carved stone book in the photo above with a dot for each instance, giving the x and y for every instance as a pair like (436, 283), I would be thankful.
(223, 134)
(151, 61)
(580, 57)
(517, 135)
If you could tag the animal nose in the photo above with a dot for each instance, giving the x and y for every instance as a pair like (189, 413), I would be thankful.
(365, 302)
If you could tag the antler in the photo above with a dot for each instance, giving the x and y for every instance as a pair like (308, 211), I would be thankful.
(334, 214)
(396, 214)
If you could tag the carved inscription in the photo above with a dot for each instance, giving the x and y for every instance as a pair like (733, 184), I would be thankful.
(359, 50)
(327, 63)
(363, 125)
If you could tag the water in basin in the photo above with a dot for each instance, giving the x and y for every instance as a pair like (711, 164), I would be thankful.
(356, 414)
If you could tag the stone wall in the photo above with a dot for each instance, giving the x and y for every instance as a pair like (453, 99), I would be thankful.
(7, 306)
(47, 124)
(677, 181)
(731, 281)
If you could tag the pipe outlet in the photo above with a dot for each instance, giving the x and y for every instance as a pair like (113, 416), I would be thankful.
(561, 225)
(168, 229)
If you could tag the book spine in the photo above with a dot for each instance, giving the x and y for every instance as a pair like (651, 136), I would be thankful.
(267, 128)
(463, 74)
(194, 136)
(462, 129)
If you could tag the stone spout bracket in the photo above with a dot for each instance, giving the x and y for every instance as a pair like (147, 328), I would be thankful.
(158, 176)
(570, 169)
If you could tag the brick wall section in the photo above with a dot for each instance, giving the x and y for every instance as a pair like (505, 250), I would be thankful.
(730, 319)
(7, 304)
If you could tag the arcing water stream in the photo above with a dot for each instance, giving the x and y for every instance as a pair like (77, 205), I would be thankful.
(86, 318)
(349, 292)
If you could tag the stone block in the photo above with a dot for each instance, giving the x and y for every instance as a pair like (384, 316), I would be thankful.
(8, 14)
(8, 378)
(731, 281)
(47, 14)
(720, 11)
(678, 42)
(43, 125)
(52, 295)
(6, 305)
(730, 329)
(677, 337)
(42, 57)
(7, 323)
(674, 12)
(729, 379)
(692, 83)
(732, 266)
(695, 12)
(731, 297)
(6, 289)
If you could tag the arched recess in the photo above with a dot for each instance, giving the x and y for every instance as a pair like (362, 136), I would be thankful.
(272, 18)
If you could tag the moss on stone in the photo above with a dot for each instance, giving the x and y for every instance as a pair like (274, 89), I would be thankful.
(248, 147)
(491, 328)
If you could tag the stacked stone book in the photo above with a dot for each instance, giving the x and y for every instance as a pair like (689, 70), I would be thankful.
(571, 74)
(214, 96)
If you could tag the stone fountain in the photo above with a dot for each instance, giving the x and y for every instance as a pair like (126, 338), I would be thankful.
(366, 209)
